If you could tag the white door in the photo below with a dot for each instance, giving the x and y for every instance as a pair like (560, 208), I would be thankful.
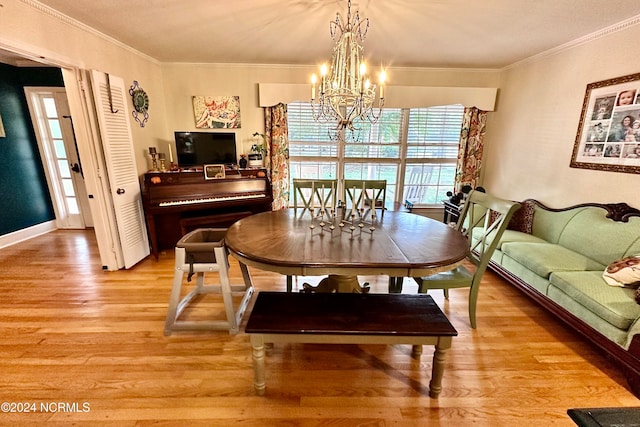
(53, 125)
(113, 120)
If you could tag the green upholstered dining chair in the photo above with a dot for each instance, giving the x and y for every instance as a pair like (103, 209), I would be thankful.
(483, 220)
(368, 193)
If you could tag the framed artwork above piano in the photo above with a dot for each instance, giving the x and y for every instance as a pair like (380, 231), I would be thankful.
(177, 202)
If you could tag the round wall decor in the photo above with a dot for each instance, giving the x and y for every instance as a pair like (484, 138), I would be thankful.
(140, 103)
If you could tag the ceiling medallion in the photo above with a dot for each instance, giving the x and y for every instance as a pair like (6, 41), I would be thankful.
(140, 103)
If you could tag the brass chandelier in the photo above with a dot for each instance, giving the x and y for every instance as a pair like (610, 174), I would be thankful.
(346, 94)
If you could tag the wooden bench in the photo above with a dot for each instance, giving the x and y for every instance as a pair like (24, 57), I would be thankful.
(349, 318)
(605, 417)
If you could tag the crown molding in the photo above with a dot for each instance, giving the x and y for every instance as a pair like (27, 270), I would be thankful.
(605, 32)
(83, 27)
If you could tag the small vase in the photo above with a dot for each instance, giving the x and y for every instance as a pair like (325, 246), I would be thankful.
(243, 162)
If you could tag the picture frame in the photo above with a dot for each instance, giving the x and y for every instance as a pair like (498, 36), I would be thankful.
(608, 137)
(216, 112)
(214, 171)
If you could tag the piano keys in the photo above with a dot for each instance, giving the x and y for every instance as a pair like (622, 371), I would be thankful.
(178, 202)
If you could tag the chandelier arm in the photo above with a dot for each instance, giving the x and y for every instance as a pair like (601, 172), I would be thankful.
(346, 94)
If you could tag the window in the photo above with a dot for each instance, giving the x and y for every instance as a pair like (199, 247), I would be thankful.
(415, 150)
(432, 139)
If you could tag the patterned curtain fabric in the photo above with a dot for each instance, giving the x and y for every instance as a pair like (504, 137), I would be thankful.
(277, 161)
(470, 148)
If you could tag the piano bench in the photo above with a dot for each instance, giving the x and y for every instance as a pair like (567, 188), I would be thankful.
(198, 252)
(188, 224)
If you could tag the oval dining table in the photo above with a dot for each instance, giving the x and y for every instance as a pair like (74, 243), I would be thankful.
(401, 245)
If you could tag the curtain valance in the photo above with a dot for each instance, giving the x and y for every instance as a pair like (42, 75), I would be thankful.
(484, 98)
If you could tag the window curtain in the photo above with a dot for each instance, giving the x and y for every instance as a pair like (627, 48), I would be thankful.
(277, 162)
(470, 148)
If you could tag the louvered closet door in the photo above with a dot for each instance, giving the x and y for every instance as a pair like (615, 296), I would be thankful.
(113, 119)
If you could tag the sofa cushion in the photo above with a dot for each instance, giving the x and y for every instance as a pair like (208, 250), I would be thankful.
(623, 272)
(614, 334)
(546, 258)
(541, 284)
(605, 241)
(507, 236)
(549, 225)
(517, 236)
(614, 304)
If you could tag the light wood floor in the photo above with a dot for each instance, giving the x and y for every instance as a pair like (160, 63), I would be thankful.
(73, 333)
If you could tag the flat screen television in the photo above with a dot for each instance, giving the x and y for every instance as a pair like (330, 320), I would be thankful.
(205, 148)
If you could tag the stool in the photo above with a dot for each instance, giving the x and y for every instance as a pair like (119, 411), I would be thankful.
(198, 252)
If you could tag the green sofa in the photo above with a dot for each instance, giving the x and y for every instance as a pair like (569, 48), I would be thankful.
(558, 256)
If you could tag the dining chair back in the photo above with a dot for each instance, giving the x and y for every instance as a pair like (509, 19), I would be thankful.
(365, 193)
(310, 193)
(483, 220)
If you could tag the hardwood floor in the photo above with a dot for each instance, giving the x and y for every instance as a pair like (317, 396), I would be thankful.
(93, 341)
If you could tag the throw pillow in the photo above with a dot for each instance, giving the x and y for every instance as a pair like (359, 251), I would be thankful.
(624, 272)
(522, 219)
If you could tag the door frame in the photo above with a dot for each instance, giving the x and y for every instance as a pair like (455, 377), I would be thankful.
(81, 106)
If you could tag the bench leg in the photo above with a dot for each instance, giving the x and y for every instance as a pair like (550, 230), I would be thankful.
(435, 386)
(257, 344)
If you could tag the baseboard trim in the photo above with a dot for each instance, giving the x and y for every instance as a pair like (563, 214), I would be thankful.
(27, 233)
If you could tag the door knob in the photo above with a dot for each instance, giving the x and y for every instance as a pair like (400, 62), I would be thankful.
(75, 167)
(120, 191)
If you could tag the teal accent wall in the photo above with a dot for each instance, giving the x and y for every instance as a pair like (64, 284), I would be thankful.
(23, 187)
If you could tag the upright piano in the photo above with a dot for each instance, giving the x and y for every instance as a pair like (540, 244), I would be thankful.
(178, 202)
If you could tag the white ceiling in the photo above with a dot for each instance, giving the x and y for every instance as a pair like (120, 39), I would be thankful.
(418, 33)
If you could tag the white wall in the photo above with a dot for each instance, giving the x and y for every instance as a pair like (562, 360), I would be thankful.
(530, 137)
(182, 81)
